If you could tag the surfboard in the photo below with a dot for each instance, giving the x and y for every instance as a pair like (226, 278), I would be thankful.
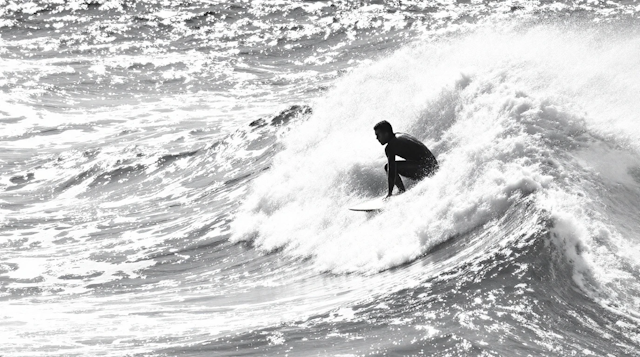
(375, 204)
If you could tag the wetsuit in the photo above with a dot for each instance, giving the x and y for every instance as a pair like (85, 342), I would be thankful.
(418, 162)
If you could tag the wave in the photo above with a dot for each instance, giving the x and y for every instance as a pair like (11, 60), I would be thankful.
(543, 114)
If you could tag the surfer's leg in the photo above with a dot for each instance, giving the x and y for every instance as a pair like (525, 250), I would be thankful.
(398, 180)
(411, 169)
(416, 170)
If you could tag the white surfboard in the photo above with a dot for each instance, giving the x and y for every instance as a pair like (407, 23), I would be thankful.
(375, 204)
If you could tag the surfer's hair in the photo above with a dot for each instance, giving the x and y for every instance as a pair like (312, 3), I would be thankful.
(384, 126)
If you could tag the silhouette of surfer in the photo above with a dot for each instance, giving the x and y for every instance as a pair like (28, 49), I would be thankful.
(418, 161)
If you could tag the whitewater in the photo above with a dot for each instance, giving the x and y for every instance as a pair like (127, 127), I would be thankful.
(176, 178)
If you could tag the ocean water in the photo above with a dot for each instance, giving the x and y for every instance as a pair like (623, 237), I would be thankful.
(175, 177)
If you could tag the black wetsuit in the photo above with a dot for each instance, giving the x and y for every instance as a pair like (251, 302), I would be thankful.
(419, 161)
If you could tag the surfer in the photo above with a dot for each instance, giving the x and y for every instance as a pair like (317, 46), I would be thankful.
(418, 161)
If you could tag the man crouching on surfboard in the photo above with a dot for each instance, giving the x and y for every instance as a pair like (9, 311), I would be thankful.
(418, 161)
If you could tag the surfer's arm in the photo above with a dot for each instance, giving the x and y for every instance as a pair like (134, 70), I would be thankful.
(392, 169)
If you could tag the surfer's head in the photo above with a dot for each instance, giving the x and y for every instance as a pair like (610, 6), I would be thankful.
(383, 131)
